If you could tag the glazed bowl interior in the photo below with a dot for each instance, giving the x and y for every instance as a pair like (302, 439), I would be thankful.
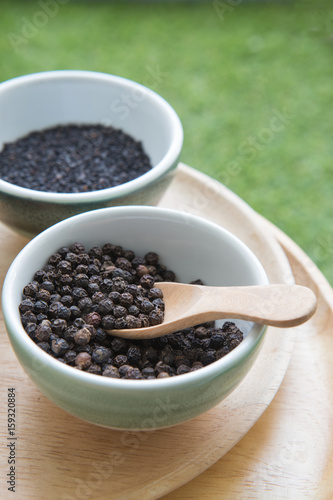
(193, 248)
(44, 100)
(65, 97)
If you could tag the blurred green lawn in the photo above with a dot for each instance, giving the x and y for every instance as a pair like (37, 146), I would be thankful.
(251, 82)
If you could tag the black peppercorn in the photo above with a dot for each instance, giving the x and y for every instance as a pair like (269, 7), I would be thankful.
(43, 295)
(64, 313)
(93, 288)
(155, 293)
(26, 305)
(196, 365)
(95, 369)
(30, 290)
(119, 345)
(48, 285)
(183, 369)
(134, 355)
(146, 306)
(115, 297)
(43, 332)
(168, 357)
(77, 248)
(120, 323)
(28, 317)
(67, 300)
(133, 373)
(123, 263)
(79, 293)
(162, 367)
(101, 355)
(75, 311)
(155, 317)
(70, 257)
(93, 318)
(66, 280)
(141, 270)
(85, 303)
(81, 280)
(111, 371)
(82, 336)
(108, 322)
(144, 320)
(31, 328)
(208, 357)
(118, 284)
(59, 346)
(100, 336)
(133, 321)
(66, 310)
(106, 285)
(82, 361)
(105, 306)
(119, 311)
(55, 297)
(70, 356)
(133, 311)
(126, 299)
(39, 276)
(40, 307)
(64, 267)
(147, 281)
(216, 340)
(120, 360)
(123, 369)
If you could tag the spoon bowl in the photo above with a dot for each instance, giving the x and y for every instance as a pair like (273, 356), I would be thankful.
(188, 305)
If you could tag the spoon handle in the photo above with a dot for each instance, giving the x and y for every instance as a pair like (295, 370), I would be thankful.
(275, 305)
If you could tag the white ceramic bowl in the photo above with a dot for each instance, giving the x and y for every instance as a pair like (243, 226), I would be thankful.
(43, 100)
(193, 248)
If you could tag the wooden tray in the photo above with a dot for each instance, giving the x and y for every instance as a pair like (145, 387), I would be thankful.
(286, 454)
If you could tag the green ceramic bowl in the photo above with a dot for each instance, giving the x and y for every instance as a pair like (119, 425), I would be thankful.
(189, 245)
(43, 100)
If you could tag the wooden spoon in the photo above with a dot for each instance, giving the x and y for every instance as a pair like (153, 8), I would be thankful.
(189, 305)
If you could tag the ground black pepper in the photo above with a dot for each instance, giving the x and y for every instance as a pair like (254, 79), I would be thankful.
(68, 320)
(73, 159)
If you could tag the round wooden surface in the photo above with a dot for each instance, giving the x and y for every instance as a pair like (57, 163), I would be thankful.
(60, 457)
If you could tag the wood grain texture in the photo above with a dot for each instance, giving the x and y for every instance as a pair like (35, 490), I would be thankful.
(285, 449)
(288, 454)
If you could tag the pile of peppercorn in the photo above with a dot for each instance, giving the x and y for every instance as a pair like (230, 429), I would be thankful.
(79, 294)
(73, 159)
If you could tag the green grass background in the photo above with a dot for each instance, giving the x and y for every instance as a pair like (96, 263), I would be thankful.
(228, 67)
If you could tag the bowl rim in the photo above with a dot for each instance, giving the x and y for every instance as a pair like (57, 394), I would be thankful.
(18, 335)
(110, 193)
